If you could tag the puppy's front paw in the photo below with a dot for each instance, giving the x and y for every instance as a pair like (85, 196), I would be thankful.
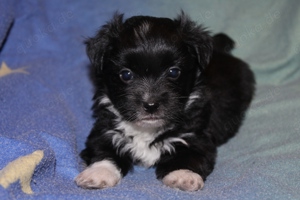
(99, 175)
(184, 180)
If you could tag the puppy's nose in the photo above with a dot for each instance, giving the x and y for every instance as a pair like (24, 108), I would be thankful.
(150, 107)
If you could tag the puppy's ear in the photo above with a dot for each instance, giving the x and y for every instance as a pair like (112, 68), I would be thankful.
(99, 45)
(196, 38)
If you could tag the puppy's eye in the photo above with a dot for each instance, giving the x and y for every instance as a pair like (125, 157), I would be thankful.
(126, 75)
(174, 73)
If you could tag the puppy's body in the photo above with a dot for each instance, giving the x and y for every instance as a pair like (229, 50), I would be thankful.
(164, 98)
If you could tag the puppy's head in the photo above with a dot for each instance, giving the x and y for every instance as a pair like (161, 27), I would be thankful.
(149, 66)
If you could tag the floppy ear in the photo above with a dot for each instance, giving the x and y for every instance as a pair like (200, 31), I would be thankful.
(99, 45)
(196, 38)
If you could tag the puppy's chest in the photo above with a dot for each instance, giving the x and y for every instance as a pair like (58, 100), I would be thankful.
(138, 143)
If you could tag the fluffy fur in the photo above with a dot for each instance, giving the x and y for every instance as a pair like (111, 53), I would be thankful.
(167, 95)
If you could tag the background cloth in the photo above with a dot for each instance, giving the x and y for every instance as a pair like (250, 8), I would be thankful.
(45, 97)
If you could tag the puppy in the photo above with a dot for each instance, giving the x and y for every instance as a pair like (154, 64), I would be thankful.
(167, 95)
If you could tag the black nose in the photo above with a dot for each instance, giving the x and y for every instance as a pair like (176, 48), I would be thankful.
(150, 107)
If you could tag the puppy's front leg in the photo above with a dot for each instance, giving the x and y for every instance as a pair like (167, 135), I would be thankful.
(101, 174)
(105, 166)
(187, 169)
(184, 179)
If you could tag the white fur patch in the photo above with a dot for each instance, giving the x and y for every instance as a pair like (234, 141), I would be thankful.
(184, 179)
(137, 140)
(100, 175)
(104, 100)
(192, 98)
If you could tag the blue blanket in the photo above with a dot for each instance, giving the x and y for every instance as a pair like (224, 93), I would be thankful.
(45, 99)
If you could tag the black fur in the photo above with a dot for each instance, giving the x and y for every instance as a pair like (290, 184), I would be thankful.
(148, 47)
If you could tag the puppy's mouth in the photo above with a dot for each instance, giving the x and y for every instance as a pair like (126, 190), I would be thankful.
(150, 121)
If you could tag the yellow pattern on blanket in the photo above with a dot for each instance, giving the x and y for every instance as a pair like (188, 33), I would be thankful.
(5, 70)
(21, 169)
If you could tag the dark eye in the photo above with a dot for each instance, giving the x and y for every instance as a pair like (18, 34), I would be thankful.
(126, 75)
(174, 73)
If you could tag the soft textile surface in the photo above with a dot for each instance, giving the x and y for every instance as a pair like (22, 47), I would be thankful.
(45, 99)
(6, 19)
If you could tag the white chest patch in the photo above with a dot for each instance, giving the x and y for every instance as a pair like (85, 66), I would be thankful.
(137, 140)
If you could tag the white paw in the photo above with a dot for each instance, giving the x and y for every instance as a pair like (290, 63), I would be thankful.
(102, 174)
(184, 180)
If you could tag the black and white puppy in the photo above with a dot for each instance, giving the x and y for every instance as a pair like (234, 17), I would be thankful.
(167, 94)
